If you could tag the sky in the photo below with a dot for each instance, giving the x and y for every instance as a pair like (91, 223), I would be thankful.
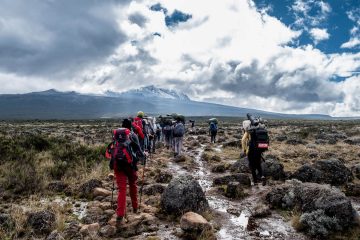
(289, 56)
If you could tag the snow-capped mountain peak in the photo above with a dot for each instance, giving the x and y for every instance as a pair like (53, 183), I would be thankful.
(152, 92)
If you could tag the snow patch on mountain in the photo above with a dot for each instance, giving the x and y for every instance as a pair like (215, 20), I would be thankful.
(151, 92)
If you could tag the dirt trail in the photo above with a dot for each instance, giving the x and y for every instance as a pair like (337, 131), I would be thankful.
(234, 224)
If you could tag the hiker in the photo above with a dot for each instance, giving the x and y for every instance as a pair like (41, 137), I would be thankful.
(138, 121)
(254, 142)
(158, 131)
(125, 155)
(213, 128)
(167, 134)
(178, 135)
(148, 133)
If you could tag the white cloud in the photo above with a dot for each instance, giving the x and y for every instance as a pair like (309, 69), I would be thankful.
(352, 43)
(319, 34)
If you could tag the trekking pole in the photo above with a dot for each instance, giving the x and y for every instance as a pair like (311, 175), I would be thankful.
(142, 183)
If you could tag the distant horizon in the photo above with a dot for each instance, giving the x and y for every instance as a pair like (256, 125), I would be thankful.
(291, 56)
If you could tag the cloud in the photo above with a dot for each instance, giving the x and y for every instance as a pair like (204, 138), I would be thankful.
(57, 38)
(310, 12)
(319, 34)
(354, 41)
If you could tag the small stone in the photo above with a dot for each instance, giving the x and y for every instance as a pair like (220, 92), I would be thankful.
(108, 231)
(193, 222)
(90, 229)
(101, 192)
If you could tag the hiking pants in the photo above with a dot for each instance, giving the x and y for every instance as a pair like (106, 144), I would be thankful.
(168, 142)
(213, 137)
(178, 143)
(121, 176)
(255, 164)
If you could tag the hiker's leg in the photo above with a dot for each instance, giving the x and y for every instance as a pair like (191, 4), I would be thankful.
(121, 202)
(176, 143)
(180, 144)
(215, 137)
(132, 176)
(252, 166)
(258, 167)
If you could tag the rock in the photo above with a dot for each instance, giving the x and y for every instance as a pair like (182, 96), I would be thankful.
(331, 171)
(90, 229)
(183, 194)
(109, 212)
(334, 171)
(108, 231)
(54, 235)
(193, 222)
(241, 166)
(273, 168)
(352, 189)
(163, 177)
(352, 141)
(232, 143)
(260, 211)
(42, 222)
(87, 188)
(180, 158)
(320, 141)
(100, 192)
(6, 222)
(215, 158)
(205, 157)
(154, 189)
(324, 210)
(356, 170)
(308, 173)
(295, 141)
(234, 190)
(57, 186)
(242, 178)
(281, 138)
(71, 231)
(219, 168)
(136, 225)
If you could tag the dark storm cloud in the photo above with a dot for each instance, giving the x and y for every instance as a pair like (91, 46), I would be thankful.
(47, 38)
(138, 19)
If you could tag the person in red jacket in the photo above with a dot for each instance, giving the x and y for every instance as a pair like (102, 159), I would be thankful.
(139, 122)
(128, 172)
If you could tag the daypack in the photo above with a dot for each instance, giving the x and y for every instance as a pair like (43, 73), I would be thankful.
(121, 151)
(213, 127)
(179, 130)
(259, 140)
(139, 122)
(167, 130)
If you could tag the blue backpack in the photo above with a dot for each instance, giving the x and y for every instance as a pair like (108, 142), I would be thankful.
(213, 127)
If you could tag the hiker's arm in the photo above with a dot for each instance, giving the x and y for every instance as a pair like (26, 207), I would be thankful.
(244, 142)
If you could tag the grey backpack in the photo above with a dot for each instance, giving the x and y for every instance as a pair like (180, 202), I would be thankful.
(179, 130)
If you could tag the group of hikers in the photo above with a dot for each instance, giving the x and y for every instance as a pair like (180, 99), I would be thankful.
(137, 139)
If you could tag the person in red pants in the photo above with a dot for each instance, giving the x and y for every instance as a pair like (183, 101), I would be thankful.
(126, 153)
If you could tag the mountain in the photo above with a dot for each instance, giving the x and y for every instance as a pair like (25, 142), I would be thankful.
(52, 104)
(151, 92)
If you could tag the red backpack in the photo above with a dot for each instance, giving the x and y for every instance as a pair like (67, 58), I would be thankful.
(138, 122)
(119, 149)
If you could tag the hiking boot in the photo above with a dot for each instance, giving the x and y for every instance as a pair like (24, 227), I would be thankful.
(119, 221)
(263, 180)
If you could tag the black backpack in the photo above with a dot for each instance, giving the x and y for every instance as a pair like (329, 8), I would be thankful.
(259, 139)
(121, 151)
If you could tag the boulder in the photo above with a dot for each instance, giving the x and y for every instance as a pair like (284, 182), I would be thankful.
(72, 231)
(183, 194)
(90, 229)
(87, 188)
(42, 222)
(273, 168)
(307, 173)
(163, 177)
(352, 189)
(107, 231)
(242, 178)
(356, 170)
(219, 168)
(324, 210)
(234, 190)
(334, 171)
(331, 171)
(101, 192)
(154, 189)
(240, 166)
(193, 222)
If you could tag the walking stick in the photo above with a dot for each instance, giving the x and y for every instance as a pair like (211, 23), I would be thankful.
(112, 193)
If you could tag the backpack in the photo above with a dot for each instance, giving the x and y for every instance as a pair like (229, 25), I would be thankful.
(179, 130)
(139, 122)
(213, 127)
(259, 139)
(121, 153)
(167, 130)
